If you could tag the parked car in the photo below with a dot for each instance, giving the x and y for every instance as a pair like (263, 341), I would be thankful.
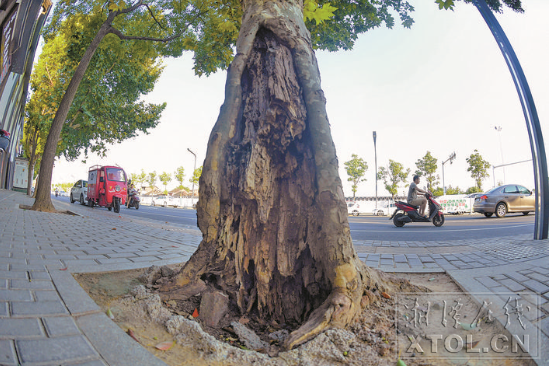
(79, 192)
(384, 209)
(357, 208)
(162, 200)
(504, 199)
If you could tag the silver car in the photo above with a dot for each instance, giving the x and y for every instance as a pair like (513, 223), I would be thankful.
(504, 199)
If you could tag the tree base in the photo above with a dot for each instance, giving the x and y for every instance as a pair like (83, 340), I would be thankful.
(338, 311)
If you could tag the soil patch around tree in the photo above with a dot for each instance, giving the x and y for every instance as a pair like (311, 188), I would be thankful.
(375, 338)
(65, 212)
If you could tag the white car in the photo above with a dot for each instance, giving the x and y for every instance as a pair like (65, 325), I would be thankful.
(384, 209)
(79, 192)
(162, 200)
(357, 208)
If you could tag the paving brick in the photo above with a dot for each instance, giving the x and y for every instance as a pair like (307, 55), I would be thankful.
(27, 267)
(40, 276)
(89, 363)
(59, 350)
(536, 286)
(39, 308)
(7, 353)
(540, 277)
(400, 258)
(517, 276)
(4, 309)
(487, 281)
(512, 285)
(61, 326)
(15, 295)
(46, 295)
(541, 270)
(18, 328)
(543, 325)
(31, 285)
(13, 274)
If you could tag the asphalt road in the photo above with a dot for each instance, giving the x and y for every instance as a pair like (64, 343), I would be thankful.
(379, 227)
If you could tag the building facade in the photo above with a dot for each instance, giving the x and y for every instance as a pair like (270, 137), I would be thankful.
(20, 23)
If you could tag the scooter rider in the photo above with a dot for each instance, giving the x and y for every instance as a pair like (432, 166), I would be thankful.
(131, 192)
(416, 196)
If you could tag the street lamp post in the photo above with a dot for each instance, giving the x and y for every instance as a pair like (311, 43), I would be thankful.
(498, 129)
(451, 159)
(192, 197)
(375, 154)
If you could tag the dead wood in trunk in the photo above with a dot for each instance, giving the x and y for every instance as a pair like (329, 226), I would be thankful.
(271, 210)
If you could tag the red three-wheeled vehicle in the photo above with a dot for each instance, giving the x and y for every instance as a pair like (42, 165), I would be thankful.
(107, 187)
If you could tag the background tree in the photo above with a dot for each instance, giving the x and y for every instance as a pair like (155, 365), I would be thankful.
(478, 167)
(180, 177)
(356, 169)
(449, 191)
(141, 178)
(473, 189)
(122, 28)
(392, 176)
(151, 179)
(165, 178)
(427, 167)
(195, 179)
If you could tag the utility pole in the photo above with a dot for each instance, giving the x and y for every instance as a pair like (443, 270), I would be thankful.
(498, 129)
(192, 197)
(375, 154)
(451, 159)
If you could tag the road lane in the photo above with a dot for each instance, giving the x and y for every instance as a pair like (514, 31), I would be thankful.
(380, 227)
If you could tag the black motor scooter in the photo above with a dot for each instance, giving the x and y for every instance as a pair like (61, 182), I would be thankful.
(406, 213)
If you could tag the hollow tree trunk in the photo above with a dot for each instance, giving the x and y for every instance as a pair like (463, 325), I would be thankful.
(271, 208)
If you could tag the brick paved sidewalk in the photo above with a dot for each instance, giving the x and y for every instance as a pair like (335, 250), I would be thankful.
(47, 319)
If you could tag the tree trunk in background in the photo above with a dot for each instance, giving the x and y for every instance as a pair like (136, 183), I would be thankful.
(42, 200)
(271, 209)
(32, 161)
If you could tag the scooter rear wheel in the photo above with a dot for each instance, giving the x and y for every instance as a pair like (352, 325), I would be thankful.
(396, 221)
(117, 206)
(438, 220)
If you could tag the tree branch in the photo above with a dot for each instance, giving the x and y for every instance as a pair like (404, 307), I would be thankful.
(152, 15)
(121, 35)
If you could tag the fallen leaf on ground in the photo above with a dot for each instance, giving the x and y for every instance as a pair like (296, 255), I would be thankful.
(164, 346)
(244, 320)
(385, 295)
(195, 313)
(132, 334)
(114, 228)
(431, 279)
(63, 269)
(109, 313)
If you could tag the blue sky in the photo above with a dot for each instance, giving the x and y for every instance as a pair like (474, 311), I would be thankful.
(441, 86)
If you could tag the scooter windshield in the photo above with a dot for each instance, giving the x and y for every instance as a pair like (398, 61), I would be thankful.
(115, 175)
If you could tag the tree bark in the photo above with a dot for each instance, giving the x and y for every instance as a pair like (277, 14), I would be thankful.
(271, 209)
(43, 190)
(32, 160)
